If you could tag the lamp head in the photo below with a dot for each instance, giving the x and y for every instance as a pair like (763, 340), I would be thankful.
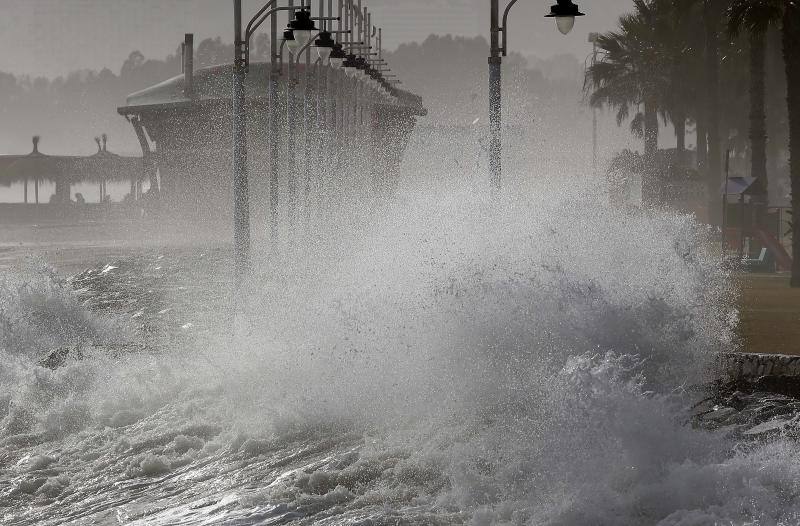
(361, 65)
(350, 65)
(291, 43)
(564, 12)
(324, 44)
(337, 56)
(302, 27)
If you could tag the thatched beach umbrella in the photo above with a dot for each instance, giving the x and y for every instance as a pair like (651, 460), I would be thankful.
(105, 166)
(35, 166)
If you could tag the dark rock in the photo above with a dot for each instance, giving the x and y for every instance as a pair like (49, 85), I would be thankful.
(56, 358)
(769, 427)
(779, 384)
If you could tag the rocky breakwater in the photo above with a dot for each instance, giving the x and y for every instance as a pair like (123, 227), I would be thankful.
(756, 397)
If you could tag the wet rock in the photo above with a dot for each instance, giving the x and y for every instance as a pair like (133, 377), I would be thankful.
(781, 384)
(59, 356)
(738, 400)
(720, 414)
(778, 410)
(770, 427)
(704, 406)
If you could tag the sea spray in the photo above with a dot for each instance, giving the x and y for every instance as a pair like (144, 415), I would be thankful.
(451, 361)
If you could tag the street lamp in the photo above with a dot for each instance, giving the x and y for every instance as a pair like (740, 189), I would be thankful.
(337, 56)
(268, 10)
(350, 65)
(291, 42)
(301, 27)
(564, 12)
(241, 202)
(297, 38)
(361, 67)
(325, 45)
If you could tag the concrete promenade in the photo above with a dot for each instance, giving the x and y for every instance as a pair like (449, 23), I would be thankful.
(769, 314)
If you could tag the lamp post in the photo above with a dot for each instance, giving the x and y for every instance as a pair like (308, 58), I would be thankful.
(270, 10)
(274, 126)
(241, 202)
(564, 12)
(298, 36)
(241, 198)
(334, 116)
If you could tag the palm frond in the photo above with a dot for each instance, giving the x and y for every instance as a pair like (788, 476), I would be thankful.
(753, 16)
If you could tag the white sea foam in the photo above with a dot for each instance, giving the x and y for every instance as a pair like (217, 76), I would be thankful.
(453, 362)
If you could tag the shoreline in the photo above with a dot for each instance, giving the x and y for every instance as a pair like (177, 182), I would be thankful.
(72, 248)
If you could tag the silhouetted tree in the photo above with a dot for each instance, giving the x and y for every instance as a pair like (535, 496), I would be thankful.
(634, 72)
(450, 71)
(756, 16)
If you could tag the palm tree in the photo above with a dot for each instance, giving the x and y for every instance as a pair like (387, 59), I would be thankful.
(711, 16)
(756, 16)
(791, 57)
(682, 44)
(708, 111)
(631, 75)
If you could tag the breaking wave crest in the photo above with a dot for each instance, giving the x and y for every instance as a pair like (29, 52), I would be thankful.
(455, 362)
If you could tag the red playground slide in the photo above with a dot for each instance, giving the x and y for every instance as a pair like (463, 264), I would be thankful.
(782, 258)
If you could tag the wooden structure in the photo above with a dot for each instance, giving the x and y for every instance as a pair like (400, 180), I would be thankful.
(339, 133)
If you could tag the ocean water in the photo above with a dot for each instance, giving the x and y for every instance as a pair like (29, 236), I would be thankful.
(445, 359)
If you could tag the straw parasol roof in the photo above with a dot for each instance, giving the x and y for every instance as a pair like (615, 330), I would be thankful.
(106, 166)
(33, 166)
(101, 166)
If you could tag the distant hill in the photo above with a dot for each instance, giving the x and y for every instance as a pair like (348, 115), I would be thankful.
(449, 72)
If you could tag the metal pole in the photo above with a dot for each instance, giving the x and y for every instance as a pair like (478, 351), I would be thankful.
(290, 135)
(359, 91)
(241, 205)
(741, 225)
(594, 115)
(337, 98)
(349, 99)
(308, 122)
(495, 101)
(274, 126)
(725, 200)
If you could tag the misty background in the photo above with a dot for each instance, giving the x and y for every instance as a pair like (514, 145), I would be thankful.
(66, 65)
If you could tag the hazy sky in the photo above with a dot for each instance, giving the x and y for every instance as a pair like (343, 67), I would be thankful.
(52, 37)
